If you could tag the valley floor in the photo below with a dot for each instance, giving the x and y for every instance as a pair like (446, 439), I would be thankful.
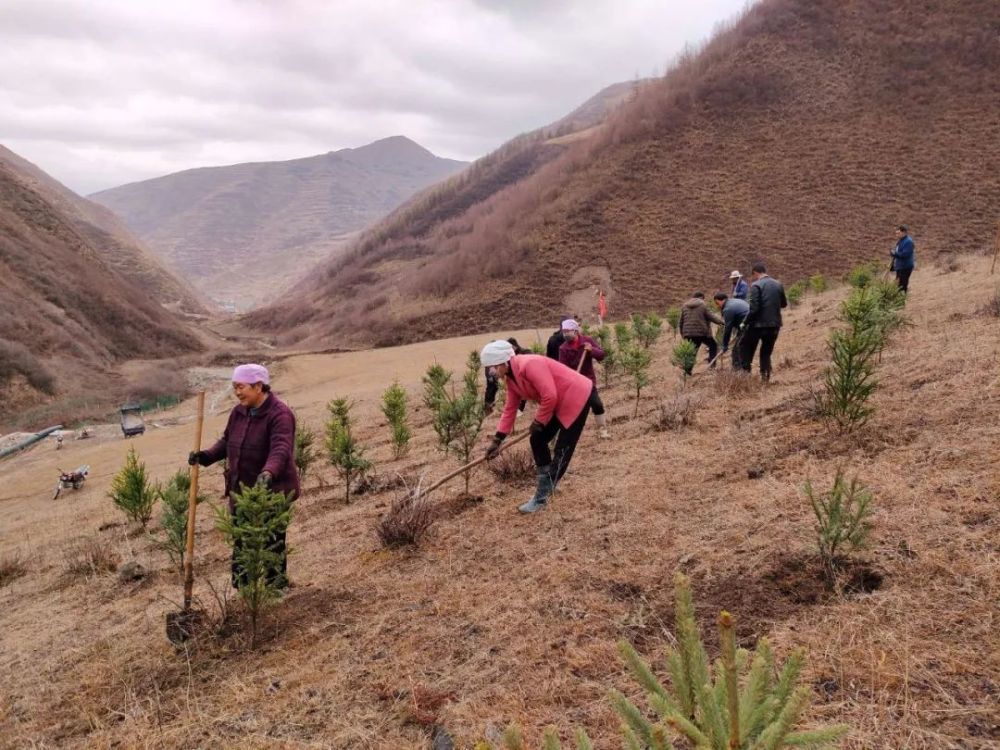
(499, 618)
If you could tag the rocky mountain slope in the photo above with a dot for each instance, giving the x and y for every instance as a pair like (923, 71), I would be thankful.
(270, 220)
(801, 135)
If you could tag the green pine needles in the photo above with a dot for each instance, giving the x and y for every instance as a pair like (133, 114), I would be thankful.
(174, 502)
(434, 384)
(742, 702)
(346, 455)
(673, 318)
(132, 492)
(260, 518)
(635, 361)
(459, 416)
(843, 520)
(646, 329)
(394, 403)
(610, 362)
(795, 292)
(684, 356)
(305, 450)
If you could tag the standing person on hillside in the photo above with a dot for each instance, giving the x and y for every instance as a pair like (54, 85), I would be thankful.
(696, 324)
(259, 447)
(564, 399)
(763, 321)
(734, 312)
(904, 258)
(740, 287)
(577, 347)
(555, 341)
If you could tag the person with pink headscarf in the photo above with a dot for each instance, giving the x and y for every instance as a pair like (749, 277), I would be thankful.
(258, 445)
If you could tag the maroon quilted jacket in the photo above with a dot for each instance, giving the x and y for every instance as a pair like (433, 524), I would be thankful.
(252, 443)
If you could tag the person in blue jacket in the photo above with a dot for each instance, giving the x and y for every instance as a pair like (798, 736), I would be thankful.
(904, 258)
(740, 287)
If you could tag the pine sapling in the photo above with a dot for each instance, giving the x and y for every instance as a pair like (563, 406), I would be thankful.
(305, 450)
(345, 453)
(610, 362)
(459, 416)
(684, 356)
(706, 706)
(646, 329)
(843, 520)
(174, 496)
(132, 492)
(673, 318)
(795, 292)
(635, 362)
(434, 384)
(260, 519)
(394, 402)
(537, 347)
(818, 283)
(849, 381)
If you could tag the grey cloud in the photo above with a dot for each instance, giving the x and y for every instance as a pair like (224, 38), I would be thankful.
(103, 91)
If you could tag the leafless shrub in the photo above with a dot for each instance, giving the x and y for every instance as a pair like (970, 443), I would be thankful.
(407, 521)
(88, 557)
(513, 467)
(992, 306)
(16, 359)
(950, 263)
(12, 567)
(736, 383)
(675, 413)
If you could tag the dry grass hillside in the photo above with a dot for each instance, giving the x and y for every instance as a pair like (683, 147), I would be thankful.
(803, 134)
(499, 618)
(280, 218)
(118, 248)
(67, 316)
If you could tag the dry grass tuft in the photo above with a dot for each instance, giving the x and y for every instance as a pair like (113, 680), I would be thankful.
(736, 383)
(513, 467)
(407, 521)
(88, 557)
(12, 567)
(675, 413)
(992, 306)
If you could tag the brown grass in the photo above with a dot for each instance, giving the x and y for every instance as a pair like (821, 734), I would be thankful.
(513, 467)
(12, 567)
(407, 522)
(89, 556)
(515, 619)
(675, 413)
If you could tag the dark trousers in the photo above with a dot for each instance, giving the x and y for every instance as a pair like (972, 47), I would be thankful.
(276, 575)
(766, 338)
(708, 341)
(558, 461)
(596, 405)
(903, 279)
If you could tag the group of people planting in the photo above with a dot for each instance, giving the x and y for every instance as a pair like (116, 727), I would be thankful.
(258, 442)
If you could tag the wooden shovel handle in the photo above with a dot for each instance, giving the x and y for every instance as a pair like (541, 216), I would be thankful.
(473, 464)
(193, 508)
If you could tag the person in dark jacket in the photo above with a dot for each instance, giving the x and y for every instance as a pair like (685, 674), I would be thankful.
(763, 321)
(493, 384)
(734, 312)
(740, 287)
(696, 324)
(259, 447)
(557, 339)
(904, 258)
(577, 347)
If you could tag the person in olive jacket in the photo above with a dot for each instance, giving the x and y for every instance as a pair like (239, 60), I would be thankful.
(696, 324)
(763, 322)
(259, 447)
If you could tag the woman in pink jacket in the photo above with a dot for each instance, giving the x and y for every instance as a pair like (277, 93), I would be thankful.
(564, 399)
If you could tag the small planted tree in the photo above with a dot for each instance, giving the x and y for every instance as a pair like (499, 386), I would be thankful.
(742, 702)
(818, 283)
(794, 293)
(305, 450)
(174, 497)
(345, 453)
(862, 275)
(513, 739)
(434, 384)
(459, 416)
(537, 347)
(843, 521)
(610, 362)
(260, 519)
(673, 318)
(624, 337)
(684, 356)
(635, 362)
(849, 381)
(394, 408)
(646, 329)
(132, 492)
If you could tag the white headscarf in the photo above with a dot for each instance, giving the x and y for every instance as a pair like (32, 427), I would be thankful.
(496, 353)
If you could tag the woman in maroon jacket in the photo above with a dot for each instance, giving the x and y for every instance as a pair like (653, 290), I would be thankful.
(259, 447)
(575, 346)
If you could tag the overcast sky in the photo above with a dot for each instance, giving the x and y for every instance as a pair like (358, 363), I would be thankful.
(103, 92)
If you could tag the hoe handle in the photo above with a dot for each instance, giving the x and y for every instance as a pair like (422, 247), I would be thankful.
(192, 508)
(472, 464)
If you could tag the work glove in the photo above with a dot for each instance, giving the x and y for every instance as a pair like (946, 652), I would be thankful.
(197, 457)
(265, 479)
(493, 448)
(536, 427)
(742, 328)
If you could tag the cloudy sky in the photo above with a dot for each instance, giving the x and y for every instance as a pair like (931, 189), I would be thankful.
(103, 92)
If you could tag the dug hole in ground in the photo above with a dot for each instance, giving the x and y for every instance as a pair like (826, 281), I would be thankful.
(498, 618)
